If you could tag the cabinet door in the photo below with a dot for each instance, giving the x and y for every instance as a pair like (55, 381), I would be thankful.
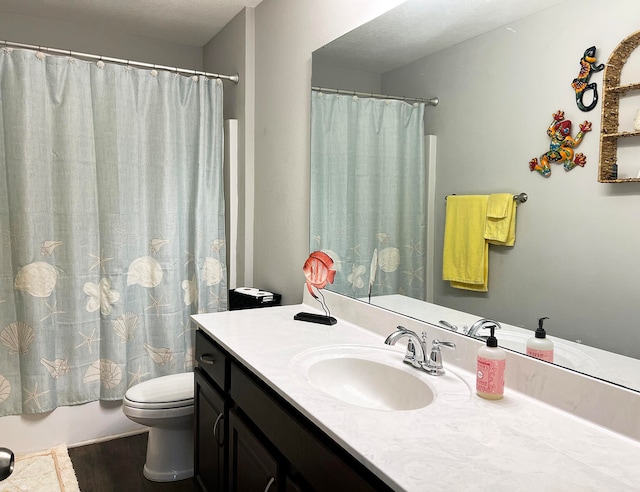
(292, 486)
(319, 461)
(251, 466)
(210, 437)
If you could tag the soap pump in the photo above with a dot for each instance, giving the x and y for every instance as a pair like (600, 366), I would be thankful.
(539, 346)
(490, 369)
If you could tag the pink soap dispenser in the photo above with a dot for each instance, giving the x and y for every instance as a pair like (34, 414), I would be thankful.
(539, 346)
(490, 371)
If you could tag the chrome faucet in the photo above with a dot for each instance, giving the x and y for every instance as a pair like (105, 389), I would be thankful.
(480, 324)
(416, 354)
(416, 348)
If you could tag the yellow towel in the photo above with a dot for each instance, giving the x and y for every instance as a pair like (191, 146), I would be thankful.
(500, 226)
(465, 258)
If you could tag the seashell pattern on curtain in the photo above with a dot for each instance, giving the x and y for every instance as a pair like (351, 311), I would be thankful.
(368, 183)
(111, 226)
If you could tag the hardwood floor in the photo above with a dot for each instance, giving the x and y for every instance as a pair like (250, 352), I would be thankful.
(117, 466)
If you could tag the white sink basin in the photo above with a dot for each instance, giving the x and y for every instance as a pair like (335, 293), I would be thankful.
(374, 378)
(369, 384)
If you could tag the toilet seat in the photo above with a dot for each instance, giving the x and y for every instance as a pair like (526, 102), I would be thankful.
(157, 406)
(165, 392)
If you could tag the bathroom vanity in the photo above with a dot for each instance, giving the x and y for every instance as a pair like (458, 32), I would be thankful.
(267, 420)
(249, 438)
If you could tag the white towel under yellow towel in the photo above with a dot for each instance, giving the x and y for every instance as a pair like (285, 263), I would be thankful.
(500, 227)
(465, 258)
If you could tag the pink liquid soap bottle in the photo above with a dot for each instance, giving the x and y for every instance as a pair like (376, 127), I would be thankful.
(490, 371)
(539, 346)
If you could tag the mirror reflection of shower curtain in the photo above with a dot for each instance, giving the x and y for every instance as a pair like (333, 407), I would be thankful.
(368, 193)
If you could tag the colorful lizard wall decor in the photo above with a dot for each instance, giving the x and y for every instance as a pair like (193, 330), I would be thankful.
(561, 147)
(581, 82)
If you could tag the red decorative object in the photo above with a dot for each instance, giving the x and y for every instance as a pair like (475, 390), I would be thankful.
(318, 271)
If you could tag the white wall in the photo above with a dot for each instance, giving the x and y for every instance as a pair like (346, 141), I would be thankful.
(287, 32)
(576, 255)
(90, 39)
(344, 78)
(72, 425)
(233, 51)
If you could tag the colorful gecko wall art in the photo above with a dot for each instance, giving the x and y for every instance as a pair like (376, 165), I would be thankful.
(581, 82)
(561, 147)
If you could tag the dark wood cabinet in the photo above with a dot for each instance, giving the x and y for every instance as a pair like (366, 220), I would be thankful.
(251, 465)
(211, 406)
(211, 435)
(248, 438)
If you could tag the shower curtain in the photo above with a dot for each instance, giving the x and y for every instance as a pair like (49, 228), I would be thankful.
(368, 193)
(111, 226)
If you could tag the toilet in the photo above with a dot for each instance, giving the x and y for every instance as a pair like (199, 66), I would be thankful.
(165, 405)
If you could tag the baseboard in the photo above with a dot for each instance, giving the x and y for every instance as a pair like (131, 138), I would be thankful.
(135, 432)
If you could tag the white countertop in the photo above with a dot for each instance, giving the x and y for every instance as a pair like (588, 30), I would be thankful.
(457, 444)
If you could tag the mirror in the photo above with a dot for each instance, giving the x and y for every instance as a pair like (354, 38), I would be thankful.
(500, 70)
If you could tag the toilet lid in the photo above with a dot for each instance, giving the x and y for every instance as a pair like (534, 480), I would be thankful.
(169, 391)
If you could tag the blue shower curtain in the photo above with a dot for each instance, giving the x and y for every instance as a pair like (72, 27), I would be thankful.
(111, 226)
(368, 193)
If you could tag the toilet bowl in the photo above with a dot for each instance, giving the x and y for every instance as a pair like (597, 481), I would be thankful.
(165, 405)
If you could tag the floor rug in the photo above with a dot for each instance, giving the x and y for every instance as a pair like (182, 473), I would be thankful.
(46, 471)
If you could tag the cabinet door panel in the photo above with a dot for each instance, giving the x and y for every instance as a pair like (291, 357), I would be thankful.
(211, 436)
(292, 486)
(251, 465)
(323, 465)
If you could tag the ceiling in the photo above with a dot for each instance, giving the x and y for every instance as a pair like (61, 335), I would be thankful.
(415, 24)
(187, 22)
(418, 28)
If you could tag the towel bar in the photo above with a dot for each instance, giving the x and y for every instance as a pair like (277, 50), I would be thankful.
(520, 198)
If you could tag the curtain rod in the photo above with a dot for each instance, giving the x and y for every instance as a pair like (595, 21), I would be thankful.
(76, 54)
(432, 102)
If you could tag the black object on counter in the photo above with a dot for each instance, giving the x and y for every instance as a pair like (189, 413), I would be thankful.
(249, 298)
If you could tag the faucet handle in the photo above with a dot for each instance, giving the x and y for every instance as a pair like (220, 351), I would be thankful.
(423, 342)
(448, 325)
(434, 364)
(437, 344)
